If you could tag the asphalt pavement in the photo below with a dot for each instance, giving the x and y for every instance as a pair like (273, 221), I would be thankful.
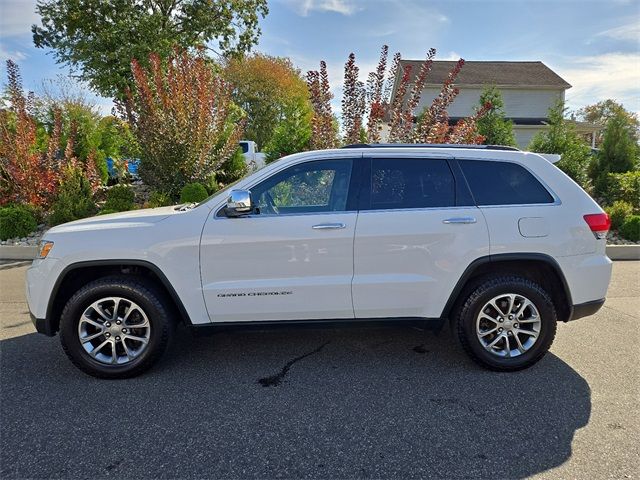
(383, 402)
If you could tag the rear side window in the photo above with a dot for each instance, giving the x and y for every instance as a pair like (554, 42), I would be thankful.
(503, 183)
(411, 183)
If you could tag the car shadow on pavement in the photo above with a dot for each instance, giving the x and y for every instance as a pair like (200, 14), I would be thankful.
(392, 402)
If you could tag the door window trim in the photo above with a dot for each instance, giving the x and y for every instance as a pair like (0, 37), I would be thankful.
(352, 194)
(462, 194)
(545, 185)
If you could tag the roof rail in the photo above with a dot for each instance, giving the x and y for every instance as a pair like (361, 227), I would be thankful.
(430, 145)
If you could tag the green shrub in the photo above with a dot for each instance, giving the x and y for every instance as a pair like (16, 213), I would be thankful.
(618, 213)
(107, 211)
(631, 228)
(16, 221)
(119, 198)
(74, 199)
(233, 169)
(159, 199)
(193, 192)
(624, 187)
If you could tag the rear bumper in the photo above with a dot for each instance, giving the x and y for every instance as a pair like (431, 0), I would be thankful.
(586, 309)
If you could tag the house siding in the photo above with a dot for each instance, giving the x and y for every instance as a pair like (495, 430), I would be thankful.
(518, 102)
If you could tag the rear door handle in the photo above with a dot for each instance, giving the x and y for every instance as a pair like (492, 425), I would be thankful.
(329, 226)
(460, 220)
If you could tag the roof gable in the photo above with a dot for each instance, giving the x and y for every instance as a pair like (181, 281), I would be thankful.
(501, 74)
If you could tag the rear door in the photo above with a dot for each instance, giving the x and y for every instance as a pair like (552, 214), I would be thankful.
(417, 231)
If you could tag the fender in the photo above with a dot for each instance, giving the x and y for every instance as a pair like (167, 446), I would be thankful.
(116, 262)
(507, 257)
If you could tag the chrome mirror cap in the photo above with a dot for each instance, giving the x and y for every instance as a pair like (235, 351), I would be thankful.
(238, 203)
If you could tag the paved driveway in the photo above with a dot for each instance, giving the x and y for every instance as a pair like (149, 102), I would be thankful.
(393, 402)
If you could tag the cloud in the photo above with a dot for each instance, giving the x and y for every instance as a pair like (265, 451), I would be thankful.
(304, 7)
(598, 77)
(629, 32)
(16, 17)
(14, 55)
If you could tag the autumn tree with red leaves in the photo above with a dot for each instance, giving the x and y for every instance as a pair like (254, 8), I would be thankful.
(323, 133)
(368, 105)
(185, 122)
(26, 175)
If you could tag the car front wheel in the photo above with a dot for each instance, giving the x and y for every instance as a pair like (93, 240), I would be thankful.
(115, 327)
(507, 323)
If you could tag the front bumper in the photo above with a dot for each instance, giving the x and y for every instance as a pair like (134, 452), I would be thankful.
(585, 309)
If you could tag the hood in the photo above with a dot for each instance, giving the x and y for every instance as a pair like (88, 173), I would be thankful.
(131, 218)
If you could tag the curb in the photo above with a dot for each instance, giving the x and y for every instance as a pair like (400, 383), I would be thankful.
(12, 252)
(623, 252)
(614, 252)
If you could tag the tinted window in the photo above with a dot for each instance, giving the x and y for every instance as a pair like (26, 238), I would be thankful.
(411, 183)
(244, 146)
(321, 186)
(503, 183)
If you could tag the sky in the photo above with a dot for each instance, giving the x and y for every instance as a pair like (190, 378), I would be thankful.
(593, 44)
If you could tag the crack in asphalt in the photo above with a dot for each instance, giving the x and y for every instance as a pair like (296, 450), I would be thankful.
(275, 380)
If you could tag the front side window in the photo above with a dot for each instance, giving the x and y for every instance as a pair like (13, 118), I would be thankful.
(503, 183)
(319, 186)
(411, 183)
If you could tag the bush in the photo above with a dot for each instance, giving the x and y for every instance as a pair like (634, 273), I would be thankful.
(74, 199)
(16, 221)
(158, 199)
(624, 187)
(193, 192)
(107, 211)
(119, 198)
(631, 228)
(618, 213)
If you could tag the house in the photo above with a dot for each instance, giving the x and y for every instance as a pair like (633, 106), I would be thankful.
(529, 89)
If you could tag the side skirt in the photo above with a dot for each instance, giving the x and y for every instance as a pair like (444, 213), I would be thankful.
(433, 324)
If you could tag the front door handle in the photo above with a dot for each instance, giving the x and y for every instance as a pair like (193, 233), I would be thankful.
(460, 220)
(329, 226)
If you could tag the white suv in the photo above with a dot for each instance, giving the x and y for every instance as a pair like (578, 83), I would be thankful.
(499, 241)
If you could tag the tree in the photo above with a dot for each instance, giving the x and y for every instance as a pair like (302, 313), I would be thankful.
(601, 112)
(363, 106)
(26, 175)
(562, 138)
(292, 134)
(184, 120)
(100, 38)
(268, 89)
(619, 152)
(324, 132)
(493, 126)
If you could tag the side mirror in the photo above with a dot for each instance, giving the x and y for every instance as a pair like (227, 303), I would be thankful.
(238, 203)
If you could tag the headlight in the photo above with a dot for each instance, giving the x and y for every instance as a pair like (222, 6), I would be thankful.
(44, 249)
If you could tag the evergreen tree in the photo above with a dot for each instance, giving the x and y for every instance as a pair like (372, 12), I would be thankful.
(494, 126)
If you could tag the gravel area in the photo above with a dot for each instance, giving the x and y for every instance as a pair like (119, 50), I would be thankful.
(32, 240)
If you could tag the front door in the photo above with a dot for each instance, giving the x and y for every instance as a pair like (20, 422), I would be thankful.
(292, 257)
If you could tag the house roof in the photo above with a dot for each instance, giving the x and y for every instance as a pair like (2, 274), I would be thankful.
(501, 74)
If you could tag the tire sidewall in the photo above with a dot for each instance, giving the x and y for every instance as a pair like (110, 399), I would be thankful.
(542, 303)
(145, 298)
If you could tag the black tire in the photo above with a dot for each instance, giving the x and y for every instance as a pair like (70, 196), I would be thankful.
(131, 288)
(469, 309)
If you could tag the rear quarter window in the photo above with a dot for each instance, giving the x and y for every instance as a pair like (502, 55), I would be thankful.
(503, 183)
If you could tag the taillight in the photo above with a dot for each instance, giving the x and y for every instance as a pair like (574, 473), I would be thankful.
(599, 223)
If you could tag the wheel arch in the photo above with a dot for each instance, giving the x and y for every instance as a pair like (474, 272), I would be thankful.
(77, 274)
(538, 267)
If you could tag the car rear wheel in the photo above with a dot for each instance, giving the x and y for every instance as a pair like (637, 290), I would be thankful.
(115, 327)
(507, 323)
